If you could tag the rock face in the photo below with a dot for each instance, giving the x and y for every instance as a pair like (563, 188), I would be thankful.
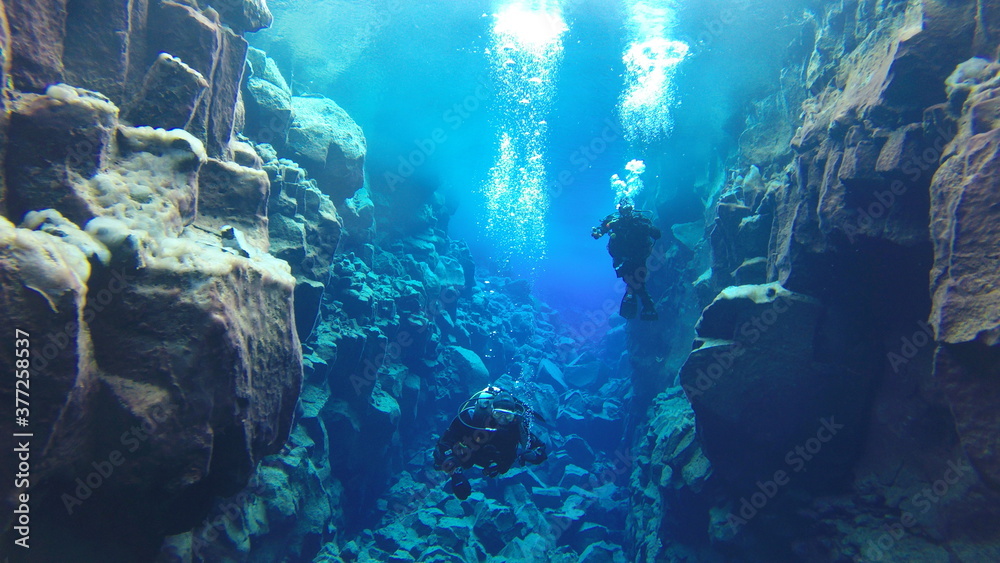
(36, 43)
(111, 48)
(327, 142)
(759, 386)
(243, 15)
(165, 364)
(965, 311)
(177, 358)
(889, 181)
(268, 101)
(54, 140)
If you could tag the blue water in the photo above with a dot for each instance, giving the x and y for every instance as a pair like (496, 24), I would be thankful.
(424, 67)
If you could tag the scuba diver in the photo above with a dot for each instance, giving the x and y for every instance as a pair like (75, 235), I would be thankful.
(487, 432)
(630, 244)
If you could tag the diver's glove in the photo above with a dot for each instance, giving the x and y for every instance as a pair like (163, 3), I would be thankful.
(492, 471)
(536, 455)
(596, 233)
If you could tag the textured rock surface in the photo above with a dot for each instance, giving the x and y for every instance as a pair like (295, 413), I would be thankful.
(243, 15)
(890, 183)
(104, 46)
(36, 43)
(759, 386)
(268, 101)
(965, 310)
(54, 141)
(966, 195)
(166, 365)
(327, 142)
(169, 95)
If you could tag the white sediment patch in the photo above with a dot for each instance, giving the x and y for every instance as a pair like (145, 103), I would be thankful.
(44, 262)
(150, 192)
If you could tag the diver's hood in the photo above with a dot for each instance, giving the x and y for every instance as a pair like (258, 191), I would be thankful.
(480, 406)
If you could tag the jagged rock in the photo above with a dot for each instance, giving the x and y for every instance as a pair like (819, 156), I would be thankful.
(226, 82)
(36, 43)
(964, 194)
(268, 101)
(105, 46)
(230, 194)
(602, 552)
(187, 34)
(529, 548)
(470, 367)
(757, 386)
(329, 144)
(169, 95)
(200, 41)
(965, 309)
(548, 369)
(496, 526)
(453, 533)
(55, 140)
(752, 271)
(43, 285)
(522, 325)
(396, 536)
(969, 373)
(243, 15)
(579, 376)
(308, 298)
(304, 225)
(358, 215)
(691, 235)
(188, 345)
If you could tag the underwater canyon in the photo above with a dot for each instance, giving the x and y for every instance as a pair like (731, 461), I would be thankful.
(254, 255)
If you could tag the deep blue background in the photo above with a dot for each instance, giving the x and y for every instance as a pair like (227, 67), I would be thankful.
(424, 58)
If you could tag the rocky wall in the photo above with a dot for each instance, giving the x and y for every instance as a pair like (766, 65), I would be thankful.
(165, 363)
(874, 220)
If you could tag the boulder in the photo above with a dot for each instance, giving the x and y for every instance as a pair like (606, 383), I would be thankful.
(496, 526)
(548, 370)
(757, 386)
(469, 367)
(267, 99)
(243, 15)
(602, 552)
(329, 144)
(579, 376)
